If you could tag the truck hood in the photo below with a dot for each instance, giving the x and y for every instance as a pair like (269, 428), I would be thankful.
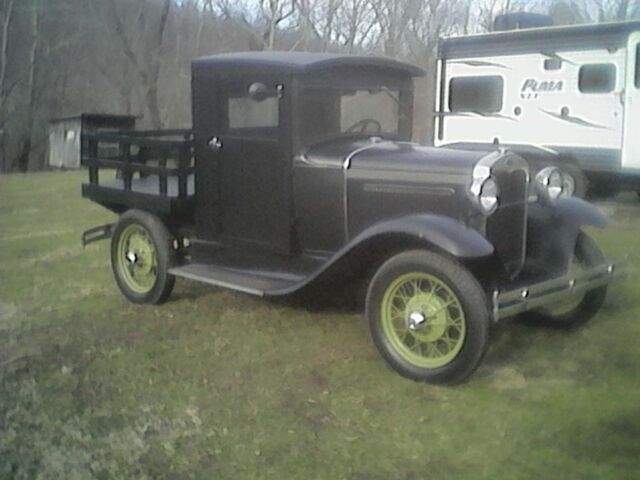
(375, 153)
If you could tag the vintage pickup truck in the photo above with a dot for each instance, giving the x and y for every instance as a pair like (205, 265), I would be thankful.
(300, 168)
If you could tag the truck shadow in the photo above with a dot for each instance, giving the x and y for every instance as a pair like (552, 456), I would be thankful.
(346, 298)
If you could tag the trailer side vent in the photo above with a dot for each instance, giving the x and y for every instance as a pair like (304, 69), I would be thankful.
(597, 78)
(552, 64)
(480, 94)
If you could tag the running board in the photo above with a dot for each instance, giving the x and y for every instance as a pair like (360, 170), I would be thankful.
(253, 282)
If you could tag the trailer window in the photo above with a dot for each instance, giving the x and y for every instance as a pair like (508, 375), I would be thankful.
(244, 112)
(476, 94)
(638, 66)
(597, 78)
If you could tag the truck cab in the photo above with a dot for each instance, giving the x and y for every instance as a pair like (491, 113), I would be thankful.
(255, 117)
(300, 169)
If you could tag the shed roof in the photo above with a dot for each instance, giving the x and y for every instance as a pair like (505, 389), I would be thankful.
(304, 62)
(96, 118)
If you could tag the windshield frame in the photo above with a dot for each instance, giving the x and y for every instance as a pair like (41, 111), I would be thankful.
(356, 80)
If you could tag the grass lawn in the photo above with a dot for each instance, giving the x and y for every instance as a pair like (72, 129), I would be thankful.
(216, 384)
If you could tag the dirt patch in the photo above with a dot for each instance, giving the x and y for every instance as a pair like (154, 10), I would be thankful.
(508, 378)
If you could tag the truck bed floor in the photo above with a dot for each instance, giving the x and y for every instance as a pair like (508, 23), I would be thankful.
(150, 185)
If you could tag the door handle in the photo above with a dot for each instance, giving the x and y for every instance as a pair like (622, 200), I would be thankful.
(215, 143)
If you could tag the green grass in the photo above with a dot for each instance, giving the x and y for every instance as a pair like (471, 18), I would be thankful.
(216, 384)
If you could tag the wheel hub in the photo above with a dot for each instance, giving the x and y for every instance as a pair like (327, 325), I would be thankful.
(132, 257)
(416, 319)
(425, 316)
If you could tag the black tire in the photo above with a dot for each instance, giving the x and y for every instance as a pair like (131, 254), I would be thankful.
(159, 240)
(587, 254)
(472, 301)
(602, 189)
(578, 179)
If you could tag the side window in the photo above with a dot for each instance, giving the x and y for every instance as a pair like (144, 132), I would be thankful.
(638, 66)
(245, 112)
(597, 78)
(476, 94)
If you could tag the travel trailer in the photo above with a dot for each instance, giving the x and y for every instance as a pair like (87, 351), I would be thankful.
(572, 93)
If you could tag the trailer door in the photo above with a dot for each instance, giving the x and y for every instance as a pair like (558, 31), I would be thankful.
(631, 139)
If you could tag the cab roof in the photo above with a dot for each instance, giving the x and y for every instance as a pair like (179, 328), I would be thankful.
(303, 62)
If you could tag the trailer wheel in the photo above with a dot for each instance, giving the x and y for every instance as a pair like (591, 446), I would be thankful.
(576, 311)
(428, 317)
(141, 256)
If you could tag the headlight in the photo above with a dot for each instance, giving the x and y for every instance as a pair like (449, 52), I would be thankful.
(550, 183)
(485, 194)
(489, 196)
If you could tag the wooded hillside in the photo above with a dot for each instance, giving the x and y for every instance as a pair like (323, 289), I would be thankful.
(64, 57)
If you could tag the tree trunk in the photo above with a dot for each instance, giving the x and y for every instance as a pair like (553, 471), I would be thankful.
(26, 162)
(4, 50)
(151, 95)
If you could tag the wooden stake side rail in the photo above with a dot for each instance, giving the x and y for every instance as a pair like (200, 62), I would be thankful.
(134, 150)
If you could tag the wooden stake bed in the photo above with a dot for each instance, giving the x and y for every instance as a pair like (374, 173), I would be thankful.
(154, 170)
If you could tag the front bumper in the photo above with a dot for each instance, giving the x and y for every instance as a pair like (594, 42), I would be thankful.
(549, 292)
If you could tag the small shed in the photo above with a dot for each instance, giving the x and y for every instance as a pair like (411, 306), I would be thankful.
(65, 135)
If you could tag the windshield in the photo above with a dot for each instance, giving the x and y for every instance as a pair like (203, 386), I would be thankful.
(326, 113)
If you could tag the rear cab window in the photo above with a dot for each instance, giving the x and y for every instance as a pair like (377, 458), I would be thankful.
(245, 112)
(481, 94)
(250, 117)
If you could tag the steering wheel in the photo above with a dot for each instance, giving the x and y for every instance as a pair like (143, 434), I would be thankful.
(363, 124)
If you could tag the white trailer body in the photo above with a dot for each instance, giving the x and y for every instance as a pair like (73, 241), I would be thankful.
(573, 90)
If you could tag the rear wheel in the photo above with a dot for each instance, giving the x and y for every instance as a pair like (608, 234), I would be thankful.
(428, 317)
(580, 309)
(141, 256)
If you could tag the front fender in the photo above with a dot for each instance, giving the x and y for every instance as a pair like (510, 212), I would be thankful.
(578, 213)
(553, 231)
(444, 233)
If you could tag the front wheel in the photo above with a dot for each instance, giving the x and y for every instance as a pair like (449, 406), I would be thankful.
(428, 317)
(141, 256)
(576, 311)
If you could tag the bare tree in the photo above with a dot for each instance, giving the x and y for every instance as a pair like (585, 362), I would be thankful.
(32, 94)
(6, 14)
(142, 44)
(262, 19)
(608, 10)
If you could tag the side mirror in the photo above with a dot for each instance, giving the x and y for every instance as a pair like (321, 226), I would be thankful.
(258, 91)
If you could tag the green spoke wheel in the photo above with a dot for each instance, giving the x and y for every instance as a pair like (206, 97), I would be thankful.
(137, 259)
(141, 256)
(428, 317)
(424, 320)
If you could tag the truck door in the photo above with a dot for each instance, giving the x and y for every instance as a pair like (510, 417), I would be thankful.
(630, 139)
(253, 165)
